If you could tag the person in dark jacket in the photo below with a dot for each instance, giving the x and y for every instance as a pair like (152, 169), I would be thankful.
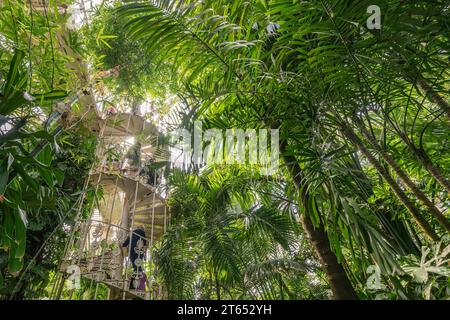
(137, 251)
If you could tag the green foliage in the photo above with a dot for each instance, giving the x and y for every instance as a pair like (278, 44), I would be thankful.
(43, 199)
(222, 244)
(41, 177)
(309, 68)
(312, 68)
(133, 75)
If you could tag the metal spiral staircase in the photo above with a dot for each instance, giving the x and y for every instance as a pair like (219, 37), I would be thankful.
(128, 199)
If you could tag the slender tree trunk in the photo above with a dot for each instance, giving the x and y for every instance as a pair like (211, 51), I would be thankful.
(412, 209)
(435, 212)
(414, 76)
(434, 96)
(339, 282)
(427, 164)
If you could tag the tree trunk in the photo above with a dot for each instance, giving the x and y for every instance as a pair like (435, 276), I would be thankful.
(339, 282)
(428, 164)
(435, 212)
(434, 96)
(413, 75)
(412, 209)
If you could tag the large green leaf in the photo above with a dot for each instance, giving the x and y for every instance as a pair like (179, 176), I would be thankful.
(47, 175)
(45, 156)
(20, 234)
(13, 93)
(13, 77)
(29, 181)
(49, 98)
(14, 264)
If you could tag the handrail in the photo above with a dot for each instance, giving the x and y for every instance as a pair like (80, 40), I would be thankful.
(119, 227)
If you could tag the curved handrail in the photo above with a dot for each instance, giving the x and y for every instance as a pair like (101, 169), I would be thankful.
(119, 227)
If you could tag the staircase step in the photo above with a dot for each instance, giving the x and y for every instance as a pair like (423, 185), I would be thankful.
(150, 211)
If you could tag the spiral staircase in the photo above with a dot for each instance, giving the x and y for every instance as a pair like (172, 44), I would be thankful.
(126, 198)
(129, 199)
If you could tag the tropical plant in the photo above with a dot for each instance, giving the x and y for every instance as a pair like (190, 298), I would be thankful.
(329, 84)
(363, 119)
(230, 239)
(41, 172)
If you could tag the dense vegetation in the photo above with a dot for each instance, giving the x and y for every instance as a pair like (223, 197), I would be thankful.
(42, 167)
(360, 205)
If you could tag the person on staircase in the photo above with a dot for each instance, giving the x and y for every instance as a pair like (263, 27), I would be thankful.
(136, 255)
